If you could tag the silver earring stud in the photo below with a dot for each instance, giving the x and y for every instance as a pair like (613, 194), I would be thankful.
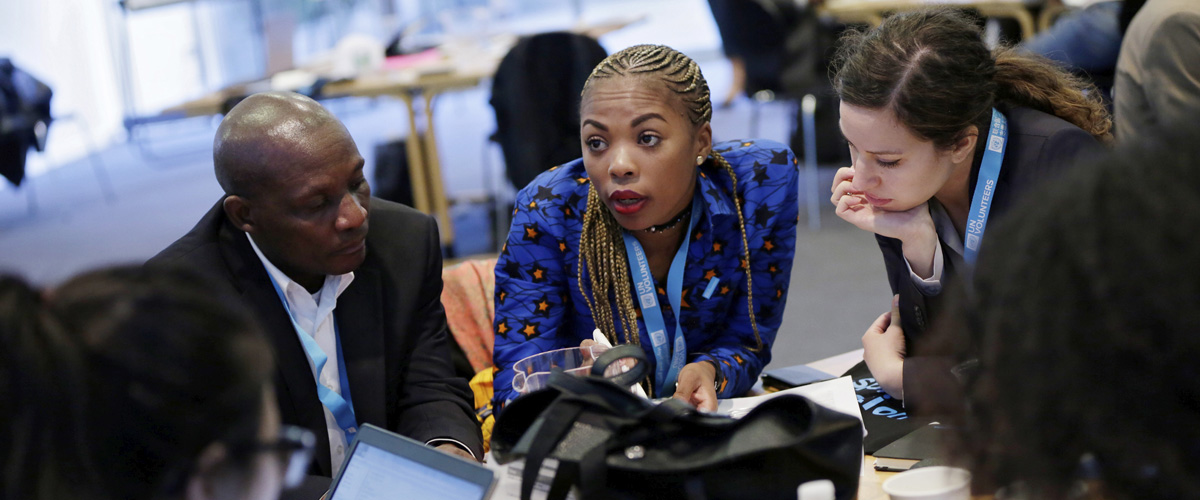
(699, 160)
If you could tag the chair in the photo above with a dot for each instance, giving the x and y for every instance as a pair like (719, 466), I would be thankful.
(25, 120)
(535, 94)
(787, 51)
(467, 296)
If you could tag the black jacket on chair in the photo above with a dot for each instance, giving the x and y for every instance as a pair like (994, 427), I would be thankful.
(536, 97)
(391, 323)
(24, 102)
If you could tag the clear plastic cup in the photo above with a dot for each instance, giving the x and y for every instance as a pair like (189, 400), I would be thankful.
(533, 372)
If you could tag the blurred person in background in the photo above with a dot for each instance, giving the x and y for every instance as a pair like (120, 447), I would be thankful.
(131, 384)
(1078, 337)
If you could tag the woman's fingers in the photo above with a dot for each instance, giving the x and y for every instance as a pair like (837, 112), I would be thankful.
(842, 187)
(844, 191)
(843, 174)
(881, 323)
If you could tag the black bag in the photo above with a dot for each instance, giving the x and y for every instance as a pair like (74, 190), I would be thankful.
(611, 443)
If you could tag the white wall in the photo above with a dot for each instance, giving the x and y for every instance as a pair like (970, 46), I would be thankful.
(65, 44)
(75, 47)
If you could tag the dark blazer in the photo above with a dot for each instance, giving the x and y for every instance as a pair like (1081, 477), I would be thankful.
(392, 327)
(1040, 146)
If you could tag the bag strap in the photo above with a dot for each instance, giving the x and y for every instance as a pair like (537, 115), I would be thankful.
(555, 423)
(560, 487)
(624, 351)
(667, 410)
(593, 472)
(558, 419)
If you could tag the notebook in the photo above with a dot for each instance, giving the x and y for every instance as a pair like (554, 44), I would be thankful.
(902, 454)
(385, 465)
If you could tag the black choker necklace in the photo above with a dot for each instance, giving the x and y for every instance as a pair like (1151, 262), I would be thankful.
(667, 226)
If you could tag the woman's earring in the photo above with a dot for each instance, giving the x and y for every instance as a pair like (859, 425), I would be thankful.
(699, 160)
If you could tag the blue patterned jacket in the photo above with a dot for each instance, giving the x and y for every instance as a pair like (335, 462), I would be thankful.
(539, 307)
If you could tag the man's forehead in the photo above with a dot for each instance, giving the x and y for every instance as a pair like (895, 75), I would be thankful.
(299, 168)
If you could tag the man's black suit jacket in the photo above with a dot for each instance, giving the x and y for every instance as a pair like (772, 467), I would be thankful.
(1040, 147)
(391, 323)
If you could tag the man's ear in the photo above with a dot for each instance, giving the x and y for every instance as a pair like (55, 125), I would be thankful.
(704, 140)
(965, 147)
(201, 482)
(239, 212)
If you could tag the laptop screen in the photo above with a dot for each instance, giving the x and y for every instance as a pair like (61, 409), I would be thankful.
(375, 473)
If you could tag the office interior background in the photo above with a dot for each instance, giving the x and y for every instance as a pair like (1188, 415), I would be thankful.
(116, 183)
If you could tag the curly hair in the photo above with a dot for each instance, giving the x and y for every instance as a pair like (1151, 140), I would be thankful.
(933, 69)
(1083, 323)
(601, 248)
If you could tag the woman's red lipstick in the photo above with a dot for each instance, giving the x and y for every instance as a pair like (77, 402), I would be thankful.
(627, 202)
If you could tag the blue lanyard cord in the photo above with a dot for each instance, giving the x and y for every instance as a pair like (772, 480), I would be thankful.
(338, 404)
(985, 186)
(669, 359)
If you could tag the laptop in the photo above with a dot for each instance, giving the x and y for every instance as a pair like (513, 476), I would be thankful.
(384, 465)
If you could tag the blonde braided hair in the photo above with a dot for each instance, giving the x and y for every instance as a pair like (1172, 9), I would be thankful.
(601, 246)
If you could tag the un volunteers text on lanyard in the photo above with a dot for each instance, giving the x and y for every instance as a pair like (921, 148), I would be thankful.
(985, 186)
(669, 359)
(338, 404)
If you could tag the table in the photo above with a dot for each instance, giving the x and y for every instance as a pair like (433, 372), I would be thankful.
(417, 85)
(873, 11)
(870, 484)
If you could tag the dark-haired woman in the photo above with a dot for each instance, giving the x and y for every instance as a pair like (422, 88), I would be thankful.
(132, 384)
(1097, 399)
(945, 135)
(648, 237)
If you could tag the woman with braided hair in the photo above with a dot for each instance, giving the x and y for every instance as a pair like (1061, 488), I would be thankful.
(944, 133)
(650, 235)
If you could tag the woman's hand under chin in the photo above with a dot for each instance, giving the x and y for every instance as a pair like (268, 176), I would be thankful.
(913, 227)
(853, 207)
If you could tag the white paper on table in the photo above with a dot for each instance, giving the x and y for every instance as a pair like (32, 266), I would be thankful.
(508, 479)
(837, 395)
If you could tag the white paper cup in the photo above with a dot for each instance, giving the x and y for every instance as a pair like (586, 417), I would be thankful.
(930, 483)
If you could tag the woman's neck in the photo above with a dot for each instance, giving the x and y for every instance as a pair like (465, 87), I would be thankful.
(955, 195)
(661, 247)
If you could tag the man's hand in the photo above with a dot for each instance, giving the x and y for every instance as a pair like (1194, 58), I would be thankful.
(883, 350)
(696, 385)
(453, 449)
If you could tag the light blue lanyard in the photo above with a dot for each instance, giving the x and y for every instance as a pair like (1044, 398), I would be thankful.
(338, 404)
(985, 186)
(668, 361)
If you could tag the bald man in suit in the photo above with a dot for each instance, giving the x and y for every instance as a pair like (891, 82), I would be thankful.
(347, 286)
